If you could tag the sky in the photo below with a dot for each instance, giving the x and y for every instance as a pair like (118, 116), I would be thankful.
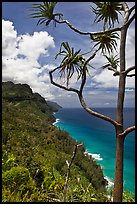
(28, 54)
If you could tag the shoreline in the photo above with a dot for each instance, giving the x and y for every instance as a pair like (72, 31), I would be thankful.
(129, 184)
(57, 120)
(94, 156)
(98, 157)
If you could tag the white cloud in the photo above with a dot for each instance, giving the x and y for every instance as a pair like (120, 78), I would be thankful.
(20, 56)
(106, 80)
(21, 64)
(130, 47)
(9, 42)
(32, 46)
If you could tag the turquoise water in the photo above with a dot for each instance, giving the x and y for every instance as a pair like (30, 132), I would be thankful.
(98, 137)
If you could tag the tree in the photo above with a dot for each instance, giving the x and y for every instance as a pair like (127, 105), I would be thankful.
(74, 62)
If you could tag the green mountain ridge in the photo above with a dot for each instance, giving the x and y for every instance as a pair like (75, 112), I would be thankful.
(34, 153)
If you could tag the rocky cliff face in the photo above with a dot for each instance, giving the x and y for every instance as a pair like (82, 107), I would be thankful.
(20, 92)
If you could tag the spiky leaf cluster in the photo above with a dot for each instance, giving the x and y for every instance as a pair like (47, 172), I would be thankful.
(107, 12)
(71, 63)
(45, 13)
(112, 61)
(106, 41)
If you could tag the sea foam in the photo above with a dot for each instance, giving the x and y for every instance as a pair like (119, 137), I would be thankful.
(110, 183)
(94, 156)
(57, 120)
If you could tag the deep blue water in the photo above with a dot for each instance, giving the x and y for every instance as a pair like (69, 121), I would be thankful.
(98, 137)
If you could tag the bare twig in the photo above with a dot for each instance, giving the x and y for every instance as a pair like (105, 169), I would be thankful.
(68, 171)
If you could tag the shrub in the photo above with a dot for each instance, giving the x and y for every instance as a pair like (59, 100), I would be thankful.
(18, 179)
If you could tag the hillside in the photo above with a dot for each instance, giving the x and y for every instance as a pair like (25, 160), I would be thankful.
(34, 153)
(55, 107)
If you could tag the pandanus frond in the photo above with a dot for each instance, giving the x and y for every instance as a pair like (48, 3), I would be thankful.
(113, 62)
(107, 12)
(106, 41)
(45, 12)
(72, 62)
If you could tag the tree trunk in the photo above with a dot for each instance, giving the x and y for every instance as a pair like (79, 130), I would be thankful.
(118, 184)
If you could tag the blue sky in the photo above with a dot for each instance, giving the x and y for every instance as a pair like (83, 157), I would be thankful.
(29, 50)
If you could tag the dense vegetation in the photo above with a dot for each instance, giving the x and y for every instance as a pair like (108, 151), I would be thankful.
(34, 154)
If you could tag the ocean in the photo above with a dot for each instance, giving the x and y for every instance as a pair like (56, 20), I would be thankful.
(98, 137)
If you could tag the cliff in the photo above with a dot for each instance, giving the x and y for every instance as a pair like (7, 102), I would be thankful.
(34, 153)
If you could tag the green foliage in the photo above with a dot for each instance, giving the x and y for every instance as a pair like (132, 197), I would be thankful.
(18, 179)
(73, 62)
(8, 161)
(106, 41)
(112, 62)
(128, 197)
(81, 191)
(53, 181)
(34, 152)
(107, 12)
(45, 13)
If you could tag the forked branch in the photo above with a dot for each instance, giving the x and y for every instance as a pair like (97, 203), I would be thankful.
(79, 92)
(127, 131)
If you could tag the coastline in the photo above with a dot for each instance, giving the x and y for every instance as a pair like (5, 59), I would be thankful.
(94, 156)
(74, 126)
(110, 184)
(56, 121)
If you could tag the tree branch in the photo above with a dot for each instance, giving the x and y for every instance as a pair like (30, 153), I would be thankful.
(130, 20)
(58, 85)
(128, 130)
(106, 31)
(68, 171)
(91, 34)
(116, 72)
(73, 28)
(131, 9)
(84, 71)
(129, 69)
(131, 75)
(98, 115)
